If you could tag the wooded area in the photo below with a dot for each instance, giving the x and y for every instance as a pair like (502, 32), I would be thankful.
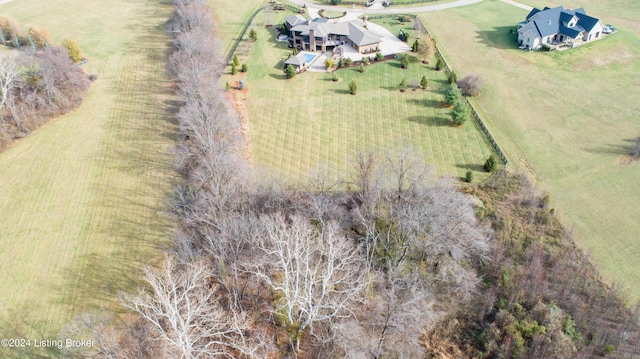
(403, 265)
(38, 81)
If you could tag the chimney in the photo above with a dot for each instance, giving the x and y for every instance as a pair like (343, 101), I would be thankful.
(312, 40)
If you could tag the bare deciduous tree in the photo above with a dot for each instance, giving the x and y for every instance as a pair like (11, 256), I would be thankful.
(366, 179)
(315, 276)
(129, 337)
(190, 15)
(9, 76)
(471, 85)
(397, 310)
(402, 311)
(186, 313)
(426, 47)
(455, 239)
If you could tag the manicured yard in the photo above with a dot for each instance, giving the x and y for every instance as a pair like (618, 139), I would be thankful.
(299, 125)
(565, 117)
(83, 197)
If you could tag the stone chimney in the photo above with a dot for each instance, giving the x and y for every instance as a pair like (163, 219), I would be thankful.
(312, 40)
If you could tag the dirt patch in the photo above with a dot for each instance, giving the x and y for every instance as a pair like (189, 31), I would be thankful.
(528, 167)
(622, 57)
(627, 160)
(239, 107)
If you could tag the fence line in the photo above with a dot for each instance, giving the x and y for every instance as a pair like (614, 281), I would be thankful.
(383, 16)
(244, 30)
(476, 116)
(292, 7)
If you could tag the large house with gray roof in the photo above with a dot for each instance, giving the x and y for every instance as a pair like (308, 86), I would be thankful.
(324, 35)
(557, 26)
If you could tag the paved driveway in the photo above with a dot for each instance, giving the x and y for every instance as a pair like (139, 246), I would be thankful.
(389, 10)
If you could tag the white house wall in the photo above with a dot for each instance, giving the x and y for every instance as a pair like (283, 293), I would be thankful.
(596, 29)
(534, 41)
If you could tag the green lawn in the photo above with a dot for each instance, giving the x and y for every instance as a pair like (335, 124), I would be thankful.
(230, 16)
(565, 117)
(299, 125)
(83, 196)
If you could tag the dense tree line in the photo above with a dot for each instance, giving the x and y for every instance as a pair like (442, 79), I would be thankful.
(395, 266)
(38, 81)
(541, 296)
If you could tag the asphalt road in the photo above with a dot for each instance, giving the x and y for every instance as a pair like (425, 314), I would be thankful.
(391, 9)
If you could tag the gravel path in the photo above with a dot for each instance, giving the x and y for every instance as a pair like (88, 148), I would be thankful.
(520, 5)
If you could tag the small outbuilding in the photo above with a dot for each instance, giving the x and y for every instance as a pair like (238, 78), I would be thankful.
(299, 62)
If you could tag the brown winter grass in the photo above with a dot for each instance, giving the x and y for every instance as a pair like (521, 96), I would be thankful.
(565, 117)
(83, 196)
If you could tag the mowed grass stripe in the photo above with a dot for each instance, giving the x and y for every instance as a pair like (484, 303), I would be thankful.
(85, 193)
(308, 122)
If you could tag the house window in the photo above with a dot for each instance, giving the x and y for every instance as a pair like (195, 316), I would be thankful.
(528, 40)
(597, 34)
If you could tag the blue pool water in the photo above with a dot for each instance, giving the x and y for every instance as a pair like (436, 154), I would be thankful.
(309, 57)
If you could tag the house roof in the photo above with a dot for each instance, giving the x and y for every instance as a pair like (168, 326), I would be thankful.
(319, 29)
(572, 32)
(565, 17)
(547, 21)
(530, 27)
(587, 22)
(532, 12)
(296, 60)
(294, 20)
(361, 36)
(353, 29)
(551, 21)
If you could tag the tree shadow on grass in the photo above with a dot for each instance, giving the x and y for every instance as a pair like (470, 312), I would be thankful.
(279, 65)
(476, 167)
(341, 91)
(436, 121)
(395, 63)
(499, 37)
(23, 322)
(620, 149)
(426, 102)
(281, 76)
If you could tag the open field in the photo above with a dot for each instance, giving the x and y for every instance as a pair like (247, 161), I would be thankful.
(566, 117)
(310, 122)
(230, 16)
(83, 196)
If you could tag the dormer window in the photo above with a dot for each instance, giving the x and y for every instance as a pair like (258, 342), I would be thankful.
(573, 22)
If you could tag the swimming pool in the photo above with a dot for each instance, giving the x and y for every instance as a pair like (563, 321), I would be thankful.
(308, 57)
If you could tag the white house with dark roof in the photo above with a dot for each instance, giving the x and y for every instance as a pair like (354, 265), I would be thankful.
(324, 35)
(553, 26)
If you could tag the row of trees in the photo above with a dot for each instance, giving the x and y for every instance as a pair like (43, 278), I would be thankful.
(542, 297)
(13, 34)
